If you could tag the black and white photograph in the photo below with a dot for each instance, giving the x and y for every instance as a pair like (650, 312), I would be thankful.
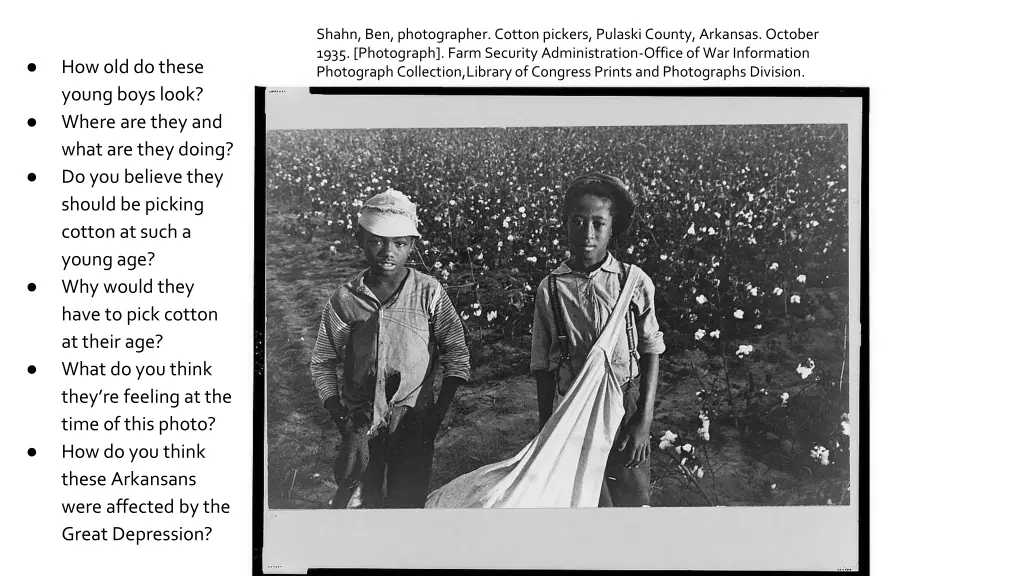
(560, 302)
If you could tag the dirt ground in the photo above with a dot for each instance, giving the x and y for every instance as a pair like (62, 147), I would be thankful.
(491, 419)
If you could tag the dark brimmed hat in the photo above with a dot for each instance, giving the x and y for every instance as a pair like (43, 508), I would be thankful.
(625, 203)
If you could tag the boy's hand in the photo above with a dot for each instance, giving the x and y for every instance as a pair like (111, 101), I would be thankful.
(636, 442)
(359, 419)
(344, 425)
(444, 400)
(338, 412)
(433, 420)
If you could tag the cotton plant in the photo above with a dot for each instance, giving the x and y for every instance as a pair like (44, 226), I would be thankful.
(667, 440)
(805, 371)
(704, 432)
(683, 455)
(509, 220)
(820, 455)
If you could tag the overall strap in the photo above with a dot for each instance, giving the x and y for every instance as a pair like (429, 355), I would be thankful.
(560, 330)
(631, 312)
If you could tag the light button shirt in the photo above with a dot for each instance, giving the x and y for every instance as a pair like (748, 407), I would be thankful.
(587, 301)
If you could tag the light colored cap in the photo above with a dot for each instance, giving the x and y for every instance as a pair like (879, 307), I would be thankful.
(389, 214)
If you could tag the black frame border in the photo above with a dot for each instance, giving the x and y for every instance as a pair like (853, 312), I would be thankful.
(259, 288)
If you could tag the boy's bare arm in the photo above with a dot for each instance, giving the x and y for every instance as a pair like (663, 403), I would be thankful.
(648, 386)
(637, 438)
(449, 385)
(651, 344)
(545, 395)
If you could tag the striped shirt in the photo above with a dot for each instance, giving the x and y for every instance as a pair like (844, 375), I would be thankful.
(587, 301)
(388, 352)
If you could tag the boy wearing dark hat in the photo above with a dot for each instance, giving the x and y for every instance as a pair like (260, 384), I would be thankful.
(388, 329)
(573, 305)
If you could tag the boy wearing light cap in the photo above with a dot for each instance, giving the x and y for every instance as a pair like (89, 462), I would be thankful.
(388, 329)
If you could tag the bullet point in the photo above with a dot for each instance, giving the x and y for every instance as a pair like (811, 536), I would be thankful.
(31, 287)
(31, 451)
(31, 67)
(31, 369)
(31, 177)
(31, 121)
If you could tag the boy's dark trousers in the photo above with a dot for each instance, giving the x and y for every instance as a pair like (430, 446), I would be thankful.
(626, 487)
(401, 458)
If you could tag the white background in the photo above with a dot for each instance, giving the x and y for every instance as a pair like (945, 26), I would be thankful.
(943, 219)
(300, 538)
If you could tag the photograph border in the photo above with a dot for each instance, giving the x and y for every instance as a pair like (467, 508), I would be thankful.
(260, 195)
